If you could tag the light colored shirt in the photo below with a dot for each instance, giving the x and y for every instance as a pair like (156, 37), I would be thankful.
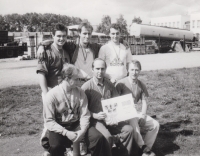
(116, 57)
(56, 109)
(84, 60)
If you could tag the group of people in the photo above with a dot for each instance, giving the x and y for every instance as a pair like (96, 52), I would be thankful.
(74, 78)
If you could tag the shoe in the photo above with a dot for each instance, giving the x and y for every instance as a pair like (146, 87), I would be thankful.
(83, 148)
(147, 151)
(46, 153)
(150, 153)
(68, 152)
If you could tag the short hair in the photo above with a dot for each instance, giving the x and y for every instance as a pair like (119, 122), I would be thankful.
(97, 60)
(69, 70)
(59, 27)
(86, 25)
(115, 26)
(136, 63)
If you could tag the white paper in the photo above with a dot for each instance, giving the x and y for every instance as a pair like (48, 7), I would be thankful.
(119, 108)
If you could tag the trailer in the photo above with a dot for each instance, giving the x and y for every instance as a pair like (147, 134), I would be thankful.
(163, 36)
(10, 48)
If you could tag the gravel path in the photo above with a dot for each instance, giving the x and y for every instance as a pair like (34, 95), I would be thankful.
(14, 73)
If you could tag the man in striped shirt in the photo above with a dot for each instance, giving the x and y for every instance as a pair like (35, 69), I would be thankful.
(97, 89)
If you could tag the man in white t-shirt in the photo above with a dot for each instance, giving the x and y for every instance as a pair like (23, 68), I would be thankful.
(116, 55)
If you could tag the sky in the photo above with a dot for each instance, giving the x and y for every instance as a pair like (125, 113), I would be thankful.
(94, 10)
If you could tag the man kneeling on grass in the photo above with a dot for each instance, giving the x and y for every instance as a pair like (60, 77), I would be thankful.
(67, 117)
(143, 122)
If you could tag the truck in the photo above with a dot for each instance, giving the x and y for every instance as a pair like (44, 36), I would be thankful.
(9, 47)
(163, 36)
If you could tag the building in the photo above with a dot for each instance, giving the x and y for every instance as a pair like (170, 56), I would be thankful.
(195, 23)
(177, 21)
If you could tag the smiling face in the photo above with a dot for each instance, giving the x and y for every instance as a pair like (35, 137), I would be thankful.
(99, 69)
(60, 38)
(114, 35)
(85, 35)
(134, 71)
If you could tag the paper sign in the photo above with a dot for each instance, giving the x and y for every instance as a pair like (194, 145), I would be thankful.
(119, 108)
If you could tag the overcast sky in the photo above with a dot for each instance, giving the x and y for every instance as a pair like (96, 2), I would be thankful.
(93, 10)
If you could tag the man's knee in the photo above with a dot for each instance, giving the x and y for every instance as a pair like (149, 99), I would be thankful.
(156, 125)
(127, 129)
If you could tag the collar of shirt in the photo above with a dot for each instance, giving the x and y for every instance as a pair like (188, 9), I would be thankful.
(131, 81)
(98, 83)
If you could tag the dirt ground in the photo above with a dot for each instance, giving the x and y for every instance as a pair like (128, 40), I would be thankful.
(14, 73)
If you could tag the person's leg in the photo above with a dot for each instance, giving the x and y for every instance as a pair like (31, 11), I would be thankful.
(44, 139)
(136, 131)
(151, 128)
(100, 126)
(96, 142)
(125, 133)
(58, 144)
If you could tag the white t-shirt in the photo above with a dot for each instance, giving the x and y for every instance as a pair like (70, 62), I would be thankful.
(116, 57)
(84, 61)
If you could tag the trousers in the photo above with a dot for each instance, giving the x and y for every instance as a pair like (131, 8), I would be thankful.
(150, 130)
(96, 143)
(123, 132)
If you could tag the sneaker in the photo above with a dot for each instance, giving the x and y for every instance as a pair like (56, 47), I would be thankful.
(150, 153)
(146, 151)
(68, 152)
(83, 148)
(46, 153)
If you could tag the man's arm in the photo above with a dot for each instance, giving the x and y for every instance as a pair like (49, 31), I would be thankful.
(84, 116)
(43, 82)
(41, 49)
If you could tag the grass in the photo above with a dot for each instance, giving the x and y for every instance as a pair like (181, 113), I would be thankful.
(174, 99)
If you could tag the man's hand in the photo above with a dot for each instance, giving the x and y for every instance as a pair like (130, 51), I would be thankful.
(111, 121)
(125, 43)
(142, 120)
(99, 116)
(113, 80)
(41, 53)
(71, 135)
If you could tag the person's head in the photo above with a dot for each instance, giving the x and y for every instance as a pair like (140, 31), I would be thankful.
(70, 74)
(114, 32)
(85, 32)
(99, 68)
(134, 68)
(59, 34)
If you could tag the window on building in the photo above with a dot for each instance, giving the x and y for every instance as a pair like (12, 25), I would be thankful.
(198, 24)
(193, 24)
(158, 24)
(169, 24)
(177, 24)
(165, 24)
(174, 24)
(161, 24)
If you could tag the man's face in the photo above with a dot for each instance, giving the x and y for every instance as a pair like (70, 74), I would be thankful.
(85, 35)
(73, 82)
(60, 38)
(99, 69)
(114, 35)
(134, 71)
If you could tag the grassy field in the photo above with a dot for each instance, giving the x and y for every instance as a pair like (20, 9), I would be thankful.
(174, 100)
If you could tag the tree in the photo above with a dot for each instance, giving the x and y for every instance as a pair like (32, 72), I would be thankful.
(137, 20)
(122, 23)
(103, 27)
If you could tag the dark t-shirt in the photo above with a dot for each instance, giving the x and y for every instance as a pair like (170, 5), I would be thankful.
(52, 65)
(138, 90)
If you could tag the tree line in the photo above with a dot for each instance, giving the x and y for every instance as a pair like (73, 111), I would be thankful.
(35, 22)
(103, 27)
